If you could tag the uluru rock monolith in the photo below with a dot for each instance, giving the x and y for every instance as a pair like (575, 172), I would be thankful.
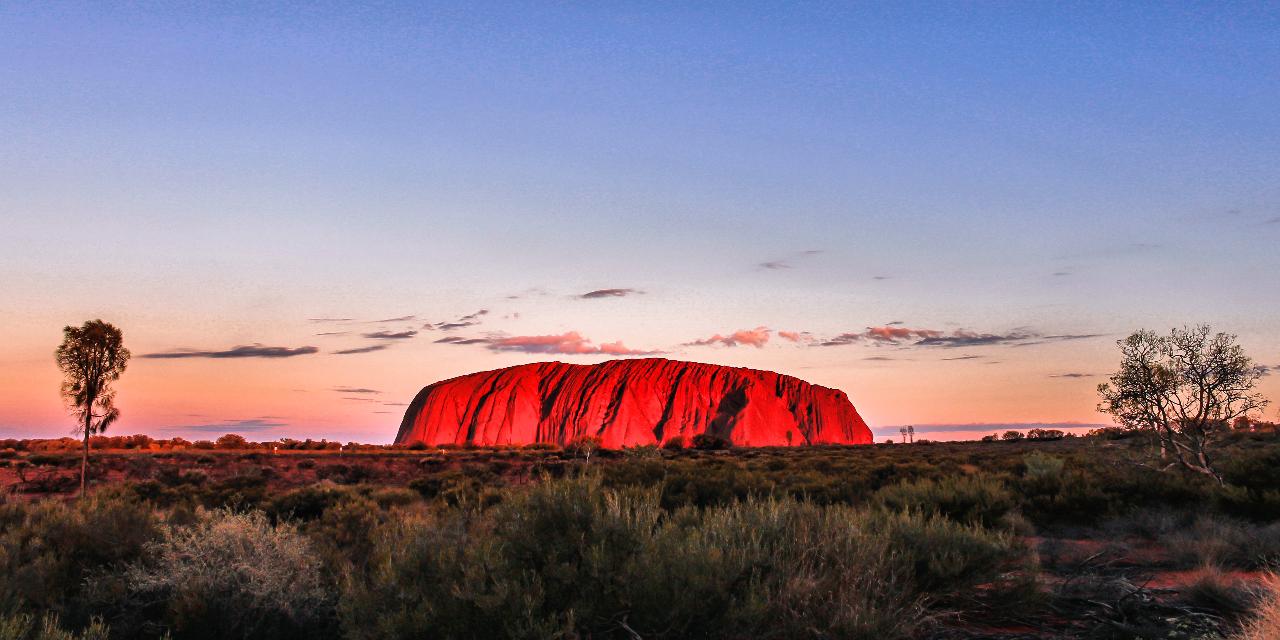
(630, 403)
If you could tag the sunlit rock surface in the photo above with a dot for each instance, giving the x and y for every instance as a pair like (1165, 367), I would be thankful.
(630, 403)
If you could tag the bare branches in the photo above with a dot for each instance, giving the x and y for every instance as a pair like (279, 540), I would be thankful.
(1185, 388)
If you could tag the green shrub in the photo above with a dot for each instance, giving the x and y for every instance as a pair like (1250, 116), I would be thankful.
(305, 503)
(57, 557)
(967, 499)
(1042, 467)
(573, 558)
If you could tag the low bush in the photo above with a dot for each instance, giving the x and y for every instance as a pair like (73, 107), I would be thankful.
(1214, 591)
(1264, 623)
(1222, 542)
(234, 575)
(23, 626)
(573, 558)
(968, 499)
(711, 442)
(60, 558)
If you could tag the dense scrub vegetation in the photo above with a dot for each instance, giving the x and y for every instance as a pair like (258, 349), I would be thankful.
(888, 541)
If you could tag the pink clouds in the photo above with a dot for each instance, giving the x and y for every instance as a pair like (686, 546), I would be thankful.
(570, 343)
(796, 336)
(882, 335)
(756, 337)
(895, 334)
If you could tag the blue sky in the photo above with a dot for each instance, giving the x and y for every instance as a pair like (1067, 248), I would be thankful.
(213, 177)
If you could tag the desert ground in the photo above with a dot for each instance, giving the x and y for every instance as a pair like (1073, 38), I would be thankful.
(1064, 538)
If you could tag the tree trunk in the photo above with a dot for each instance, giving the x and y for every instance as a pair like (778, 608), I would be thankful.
(84, 459)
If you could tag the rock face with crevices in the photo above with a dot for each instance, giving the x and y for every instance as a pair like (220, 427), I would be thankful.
(630, 403)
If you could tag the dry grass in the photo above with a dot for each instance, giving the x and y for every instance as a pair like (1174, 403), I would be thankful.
(1265, 624)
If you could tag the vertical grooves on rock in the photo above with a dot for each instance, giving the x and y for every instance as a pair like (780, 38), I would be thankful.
(628, 403)
(660, 428)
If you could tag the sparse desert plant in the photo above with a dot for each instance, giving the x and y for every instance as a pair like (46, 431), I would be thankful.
(583, 447)
(24, 626)
(234, 575)
(1264, 624)
(1223, 542)
(1213, 590)
(647, 451)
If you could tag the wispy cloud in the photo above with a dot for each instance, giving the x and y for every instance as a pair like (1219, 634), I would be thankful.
(329, 319)
(569, 343)
(366, 349)
(609, 293)
(355, 390)
(1071, 375)
(469, 320)
(408, 318)
(888, 334)
(964, 357)
(892, 430)
(893, 334)
(391, 335)
(1059, 338)
(964, 338)
(461, 340)
(796, 336)
(230, 426)
(756, 337)
(243, 351)
(789, 261)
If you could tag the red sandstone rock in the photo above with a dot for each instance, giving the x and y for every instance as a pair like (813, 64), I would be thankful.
(630, 403)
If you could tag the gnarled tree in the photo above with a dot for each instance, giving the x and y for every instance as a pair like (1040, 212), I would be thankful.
(91, 357)
(1185, 389)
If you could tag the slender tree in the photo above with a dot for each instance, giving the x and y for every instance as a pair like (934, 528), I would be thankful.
(1185, 389)
(91, 357)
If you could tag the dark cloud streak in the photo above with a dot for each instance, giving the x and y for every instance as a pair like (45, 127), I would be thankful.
(367, 349)
(391, 335)
(609, 293)
(242, 351)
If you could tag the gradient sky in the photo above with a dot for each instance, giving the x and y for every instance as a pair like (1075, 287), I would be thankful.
(953, 210)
